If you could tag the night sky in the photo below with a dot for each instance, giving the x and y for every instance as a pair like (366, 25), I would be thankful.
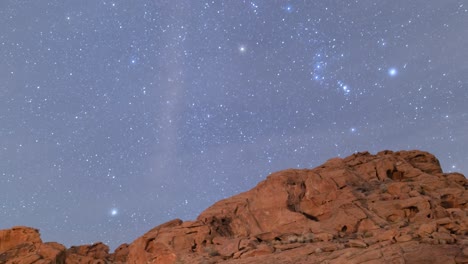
(116, 116)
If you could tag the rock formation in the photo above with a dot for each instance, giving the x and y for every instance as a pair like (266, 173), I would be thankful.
(393, 207)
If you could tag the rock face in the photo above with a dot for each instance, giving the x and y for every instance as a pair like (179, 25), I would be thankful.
(23, 245)
(393, 207)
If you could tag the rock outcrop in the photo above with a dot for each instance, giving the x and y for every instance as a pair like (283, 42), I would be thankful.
(23, 245)
(393, 207)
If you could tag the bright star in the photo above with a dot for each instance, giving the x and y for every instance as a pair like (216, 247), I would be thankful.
(346, 89)
(242, 48)
(392, 72)
(114, 212)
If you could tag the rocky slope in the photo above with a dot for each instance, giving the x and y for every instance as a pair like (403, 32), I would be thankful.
(393, 207)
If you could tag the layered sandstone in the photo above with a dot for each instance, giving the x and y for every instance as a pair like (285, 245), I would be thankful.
(393, 207)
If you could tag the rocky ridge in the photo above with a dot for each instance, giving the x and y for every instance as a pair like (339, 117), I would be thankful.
(392, 207)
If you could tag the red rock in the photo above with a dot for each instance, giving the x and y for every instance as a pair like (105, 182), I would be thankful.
(393, 207)
(388, 235)
(426, 229)
(268, 236)
(330, 247)
(120, 254)
(443, 221)
(366, 256)
(52, 250)
(226, 247)
(367, 225)
(97, 251)
(459, 259)
(462, 257)
(432, 254)
(357, 243)
(323, 237)
(404, 238)
(443, 238)
(18, 235)
(288, 246)
(398, 188)
(457, 178)
(261, 250)
(24, 245)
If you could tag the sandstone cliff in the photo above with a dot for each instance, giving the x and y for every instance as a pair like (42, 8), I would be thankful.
(393, 207)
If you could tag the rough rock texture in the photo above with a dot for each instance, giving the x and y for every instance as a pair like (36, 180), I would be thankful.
(23, 245)
(393, 207)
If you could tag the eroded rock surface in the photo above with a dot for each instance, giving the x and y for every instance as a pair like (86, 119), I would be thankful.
(22, 245)
(392, 207)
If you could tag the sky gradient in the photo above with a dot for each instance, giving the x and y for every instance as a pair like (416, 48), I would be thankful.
(116, 116)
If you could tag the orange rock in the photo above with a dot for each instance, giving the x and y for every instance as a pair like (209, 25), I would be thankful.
(357, 243)
(18, 235)
(323, 237)
(97, 251)
(261, 250)
(426, 229)
(367, 225)
(404, 238)
(398, 188)
(443, 238)
(393, 207)
(388, 235)
(120, 254)
(24, 245)
(226, 247)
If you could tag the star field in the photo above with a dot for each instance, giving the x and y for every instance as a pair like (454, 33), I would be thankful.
(117, 116)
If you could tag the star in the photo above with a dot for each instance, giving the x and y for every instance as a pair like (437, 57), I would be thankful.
(114, 212)
(289, 8)
(344, 87)
(242, 48)
(392, 72)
